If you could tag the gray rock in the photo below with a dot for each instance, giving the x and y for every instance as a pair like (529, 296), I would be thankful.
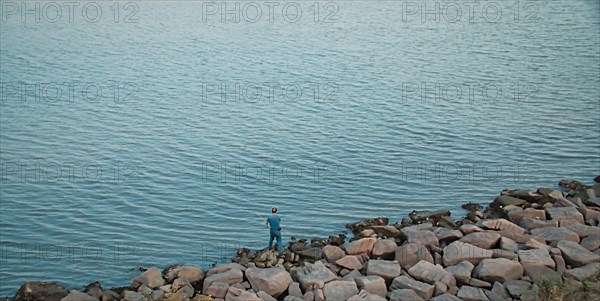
(493, 296)
(366, 296)
(536, 244)
(424, 237)
(516, 287)
(265, 296)
(78, 296)
(447, 235)
(469, 293)
(504, 200)
(564, 213)
(319, 296)
(151, 278)
(585, 272)
(404, 294)
(384, 248)
(591, 243)
(537, 256)
(352, 275)
(313, 273)
(294, 290)
(422, 289)
(538, 272)
(340, 290)
(458, 251)
(479, 283)
(498, 269)
(576, 255)
(444, 297)
(217, 290)
(502, 224)
(221, 268)
(485, 240)
(517, 216)
(237, 294)
(372, 284)
(556, 234)
(332, 253)
(133, 296)
(384, 268)
(430, 273)
(500, 290)
(41, 290)
(508, 244)
(461, 271)
(230, 277)
(498, 253)
(364, 245)
(468, 229)
(385, 231)
(581, 229)
(530, 224)
(408, 255)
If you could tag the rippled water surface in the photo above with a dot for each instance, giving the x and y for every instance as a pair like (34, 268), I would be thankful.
(169, 172)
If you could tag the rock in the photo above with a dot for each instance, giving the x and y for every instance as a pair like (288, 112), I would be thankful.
(422, 289)
(350, 262)
(184, 286)
(516, 287)
(561, 266)
(424, 237)
(499, 253)
(192, 273)
(508, 244)
(340, 290)
(493, 296)
(352, 275)
(151, 278)
(447, 235)
(538, 256)
(310, 274)
(500, 290)
(426, 216)
(230, 277)
(319, 296)
(366, 296)
(385, 231)
(462, 271)
(384, 248)
(564, 213)
(517, 216)
(469, 293)
(585, 272)
(236, 294)
(502, 224)
(133, 296)
(264, 296)
(312, 253)
(94, 289)
(485, 240)
(37, 290)
(538, 272)
(332, 253)
(504, 200)
(292, 298)
(360, 226)
(576, 255)
(556, 234)
(308, 296)
(468, 229)
(535, 244)
(384, 268)
(458, 251)
(591, 243)
(404, 294)
(273, 281)
(364, 245)
(530, 224)
(408, 255)
(430, 273)
(372, 284)
(479, 283)
(78, 296)
(439, 288)
(294, 290)
(444, 297)
(581, 229)
(225, 267)
(498, 269)
(217, 290)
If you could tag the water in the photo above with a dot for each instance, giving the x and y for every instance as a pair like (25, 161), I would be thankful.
(180, 181)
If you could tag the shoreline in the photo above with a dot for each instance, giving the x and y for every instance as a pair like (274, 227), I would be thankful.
(525, 245)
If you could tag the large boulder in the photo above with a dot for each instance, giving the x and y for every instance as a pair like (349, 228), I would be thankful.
(564, 213)
(217, 290)
(225, 267)
(36, 290)
(576, 255)
(502, 224)
(585, 272)
(408, 255)
(469, 293)
(350, 262)
(231, 276)
(498, 269)
(458, 251)
(539, 256)
(518, 215)
(581, 229)
(237, 294)
(504, 200)
(273, 281)
(78, 296)
(340, 290)
(372, 284)
(555, 234)
(447, 235)
(384, 248)
(422, 289)
(192, 273)
(386, 269)
(485, 240)
(430, 273)
(462, 271)
(363, 245)
(424, 237)
(538, 272)
(311, 273)
(332, 253)
(151, 278)
(591, 242)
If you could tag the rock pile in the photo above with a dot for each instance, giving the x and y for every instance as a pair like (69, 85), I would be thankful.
(503, 253)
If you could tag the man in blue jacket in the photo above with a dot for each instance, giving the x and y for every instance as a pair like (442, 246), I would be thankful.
(273, 221)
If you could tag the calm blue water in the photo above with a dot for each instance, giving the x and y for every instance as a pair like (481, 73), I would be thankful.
(94, 185)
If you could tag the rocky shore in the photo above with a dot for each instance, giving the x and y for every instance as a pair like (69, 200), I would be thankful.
(526, 245)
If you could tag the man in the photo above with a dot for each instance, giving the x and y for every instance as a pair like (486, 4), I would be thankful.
(273, 221)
